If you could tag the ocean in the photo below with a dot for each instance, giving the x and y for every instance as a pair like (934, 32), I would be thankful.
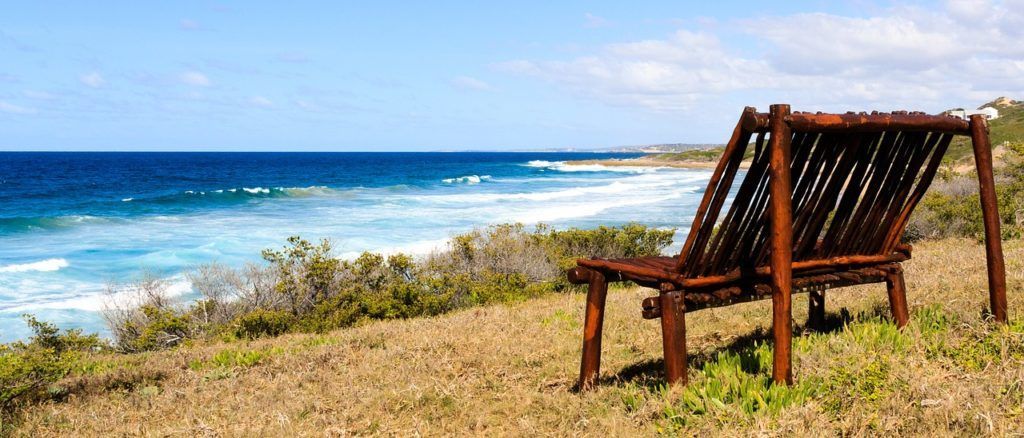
(73, 223)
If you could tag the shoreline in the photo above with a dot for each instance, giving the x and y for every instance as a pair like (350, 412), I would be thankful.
(650, 161)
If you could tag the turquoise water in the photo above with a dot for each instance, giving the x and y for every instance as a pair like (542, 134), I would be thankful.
(71, 223)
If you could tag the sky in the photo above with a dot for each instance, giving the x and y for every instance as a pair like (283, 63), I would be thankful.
(442, 75)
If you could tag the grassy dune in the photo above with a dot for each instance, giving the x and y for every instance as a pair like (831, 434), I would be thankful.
(510, 370)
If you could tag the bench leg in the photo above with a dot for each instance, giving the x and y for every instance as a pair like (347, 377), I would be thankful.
(590, 364)
(990, 216)
(816, 309)
(781, 209)
(673, 336)
(897, 297)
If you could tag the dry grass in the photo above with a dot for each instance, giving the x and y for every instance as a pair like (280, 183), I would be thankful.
(509, 370)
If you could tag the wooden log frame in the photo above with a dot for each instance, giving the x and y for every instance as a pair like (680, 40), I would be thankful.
(822, 206)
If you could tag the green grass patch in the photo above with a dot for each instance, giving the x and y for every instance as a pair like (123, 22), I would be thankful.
(737, 384)
(230, 359)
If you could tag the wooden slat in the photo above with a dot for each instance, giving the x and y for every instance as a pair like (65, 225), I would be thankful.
(879, 122)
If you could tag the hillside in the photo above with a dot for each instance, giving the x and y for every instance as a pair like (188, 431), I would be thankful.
(1008, 127)
(509, 370)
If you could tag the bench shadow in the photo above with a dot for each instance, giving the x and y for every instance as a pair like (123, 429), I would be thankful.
(649, 374)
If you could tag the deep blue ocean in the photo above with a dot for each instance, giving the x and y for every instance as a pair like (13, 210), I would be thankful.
(72, 223)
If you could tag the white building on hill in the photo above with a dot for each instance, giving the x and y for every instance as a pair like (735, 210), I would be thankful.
(988, 112)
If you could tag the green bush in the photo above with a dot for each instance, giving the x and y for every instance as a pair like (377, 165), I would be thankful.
(154, 329)
(952, 207)
(630, 240)
(304, 287)
(261, 322)
(307, 273)
(29, 370)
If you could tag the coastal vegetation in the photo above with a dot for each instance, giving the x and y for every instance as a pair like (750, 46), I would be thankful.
(304, 287)
(508, 368)
(950, 209)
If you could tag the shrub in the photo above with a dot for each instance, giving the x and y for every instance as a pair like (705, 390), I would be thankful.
(307, 273)
(952, 207)
(261, 322)
(142, 316)
(502, 249)
(630, 240)
(28, 370)
(304, 287)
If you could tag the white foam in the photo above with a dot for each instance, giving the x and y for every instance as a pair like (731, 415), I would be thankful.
(47, 265)
(542, 163)
(564, 211)
(418, 248)
(96, 298)
(308, 191)
(638, 184)
(468, 179)
(563, 166)
(256, 190)
(127, 199)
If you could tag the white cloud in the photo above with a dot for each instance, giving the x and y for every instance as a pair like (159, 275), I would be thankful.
(15, 109)
(194, 78)
(92, 79)
(470, 83)
(662, 75)
(261, 102)
(827, 44)
(905, 57)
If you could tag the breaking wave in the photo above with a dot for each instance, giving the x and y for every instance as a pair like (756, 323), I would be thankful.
(468, 179)
(563, 166)
(47, 265)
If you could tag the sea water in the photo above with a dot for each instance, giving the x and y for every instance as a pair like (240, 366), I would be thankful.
(73, 223)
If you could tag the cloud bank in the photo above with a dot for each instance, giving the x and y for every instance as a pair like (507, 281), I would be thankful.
(965, 51)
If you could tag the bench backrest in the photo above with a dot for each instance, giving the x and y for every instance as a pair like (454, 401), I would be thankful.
(855, 179)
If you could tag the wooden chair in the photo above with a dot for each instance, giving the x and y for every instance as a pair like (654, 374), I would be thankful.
(823, 205)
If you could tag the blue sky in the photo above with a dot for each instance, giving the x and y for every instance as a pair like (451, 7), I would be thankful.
(466, 75)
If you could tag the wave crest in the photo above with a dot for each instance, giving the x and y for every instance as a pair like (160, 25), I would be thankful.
(47, 265)
(468, 179)
(563, 166)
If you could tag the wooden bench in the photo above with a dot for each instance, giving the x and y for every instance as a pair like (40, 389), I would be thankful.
(823, 205)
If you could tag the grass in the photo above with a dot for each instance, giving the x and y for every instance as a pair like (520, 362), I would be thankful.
(509, 369)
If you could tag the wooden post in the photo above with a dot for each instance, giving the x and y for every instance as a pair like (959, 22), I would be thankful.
(590, 364)
(816, 309)
(897, 296)
(673, 336)
(990, 213)
(781, 192)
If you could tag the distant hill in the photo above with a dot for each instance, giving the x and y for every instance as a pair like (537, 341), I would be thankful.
(1010, 124)
(644, 149)
(663, 148)
(1008, 127)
